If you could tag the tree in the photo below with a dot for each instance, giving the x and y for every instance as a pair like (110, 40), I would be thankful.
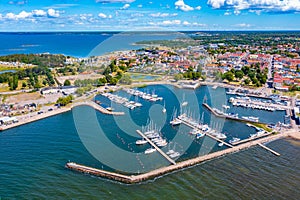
(178, 77)
(44, 82)
(255, 80)
(113, 81)
(24, 85)
(67, 82)
(229, 76)
(247, 81)
(246, 70)
(13, 82)
(239, 74)
(64, 100)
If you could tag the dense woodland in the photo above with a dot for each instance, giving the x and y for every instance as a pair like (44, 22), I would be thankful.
(45, 60)
(30, 76)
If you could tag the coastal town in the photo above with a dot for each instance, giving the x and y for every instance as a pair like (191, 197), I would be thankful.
(257, 77)
(135, 99)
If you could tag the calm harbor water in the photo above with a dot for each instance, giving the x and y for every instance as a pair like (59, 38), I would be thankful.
(33, 158)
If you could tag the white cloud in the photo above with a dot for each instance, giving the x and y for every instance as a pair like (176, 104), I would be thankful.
(115, 1)
(186, 23)
(102, 15)
(137, 15)
(171, 22)
(265, 5)
(182, 6)
(237, 12)
(198, 8)
(227, 13)
(21, 15)
(216, 3)
(140, 6)
(39, 13)
(24, 14)
(198, 24)
(85, 16)
(125, 6)
(258, 12)
(163, 14)
(52, 13)
(242, 25)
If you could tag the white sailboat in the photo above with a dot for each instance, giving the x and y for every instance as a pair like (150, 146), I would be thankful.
(164, 110)
(184, 103)
(175, 121)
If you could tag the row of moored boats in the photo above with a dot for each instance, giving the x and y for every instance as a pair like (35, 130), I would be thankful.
(246, 102)
(199, 129)
(146, 96)
(122, 100)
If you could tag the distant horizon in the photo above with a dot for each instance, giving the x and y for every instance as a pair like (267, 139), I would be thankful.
(121, 31)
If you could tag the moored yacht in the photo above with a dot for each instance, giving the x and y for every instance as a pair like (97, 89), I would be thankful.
(234, 140)
(151, 150)
(140, 142)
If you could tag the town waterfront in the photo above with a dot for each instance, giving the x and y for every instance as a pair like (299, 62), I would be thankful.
(33, 158)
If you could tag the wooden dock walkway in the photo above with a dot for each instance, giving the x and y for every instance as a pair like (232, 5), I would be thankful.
(156, 147)
(209, 135)
(97, 107)
(271, 150)
(250, 139)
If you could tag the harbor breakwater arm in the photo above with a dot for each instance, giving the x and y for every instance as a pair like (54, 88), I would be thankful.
(180, 165)
(227, 117)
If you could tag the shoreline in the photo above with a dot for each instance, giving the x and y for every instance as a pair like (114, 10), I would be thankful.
(35, 118)
(57, 112)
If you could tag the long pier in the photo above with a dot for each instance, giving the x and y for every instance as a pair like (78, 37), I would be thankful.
(227, 117)
(156, 147)
(271, 150)
(252, 138)
(98, 107)
(164, 170)
(209, 135)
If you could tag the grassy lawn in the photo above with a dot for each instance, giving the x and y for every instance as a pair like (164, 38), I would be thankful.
(143, 77)
(291, 94)
(4, 87)
(5, 67)
(263, 126)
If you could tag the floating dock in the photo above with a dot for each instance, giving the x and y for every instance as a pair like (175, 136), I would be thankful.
(156, 147)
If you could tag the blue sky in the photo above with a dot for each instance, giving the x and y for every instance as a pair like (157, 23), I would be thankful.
(119, 15)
